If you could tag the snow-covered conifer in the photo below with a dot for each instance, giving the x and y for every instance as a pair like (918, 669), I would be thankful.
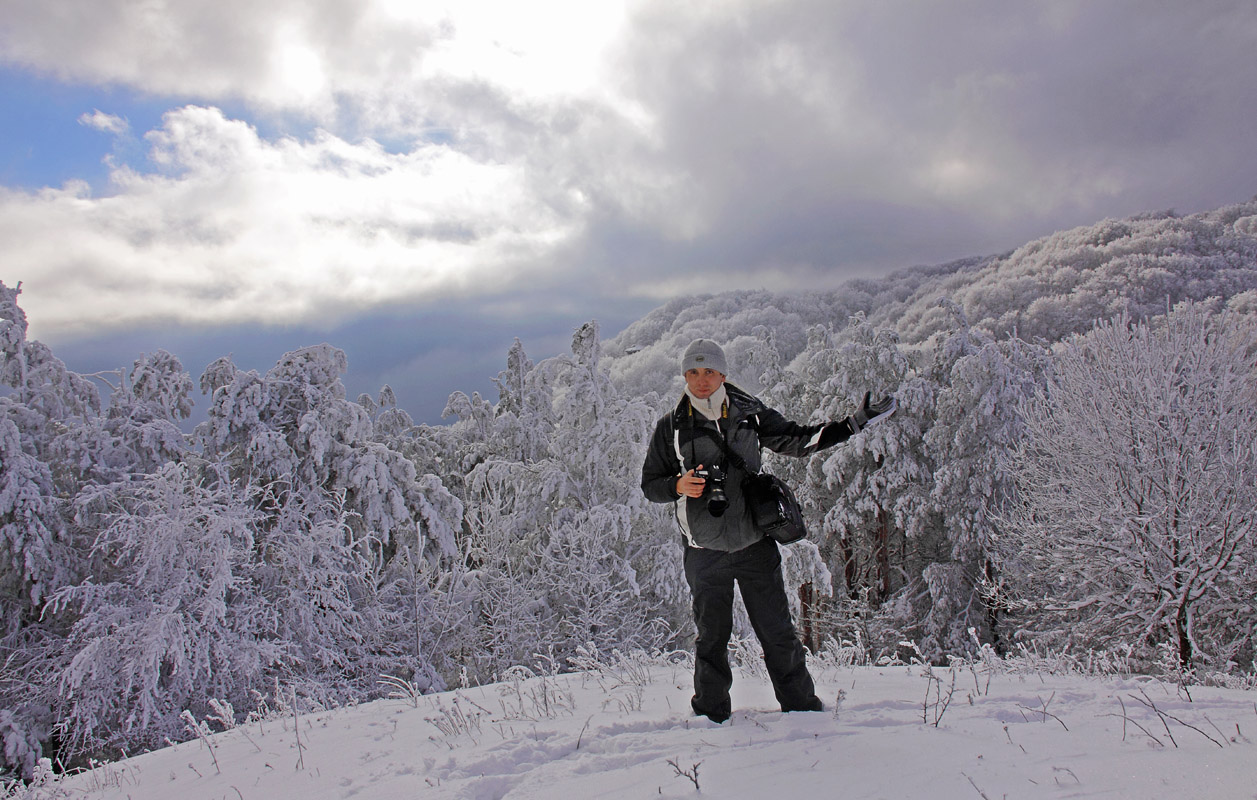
(555, 545)
(294, 426)
(981, 386)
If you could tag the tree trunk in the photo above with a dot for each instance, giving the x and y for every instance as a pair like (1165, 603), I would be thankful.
(807, 617)
(882, 554)
(1184, 639)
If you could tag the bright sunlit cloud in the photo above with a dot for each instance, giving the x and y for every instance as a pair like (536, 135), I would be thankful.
(302, 58)
(299, 72)
(545, 49)
(233, 227)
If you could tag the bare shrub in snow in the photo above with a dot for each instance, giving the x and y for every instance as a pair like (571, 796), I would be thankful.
(1137, 483)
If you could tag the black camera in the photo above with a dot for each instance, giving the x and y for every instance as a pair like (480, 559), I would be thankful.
(714, 489)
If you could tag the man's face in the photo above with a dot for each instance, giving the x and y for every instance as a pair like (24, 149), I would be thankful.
(703, 382)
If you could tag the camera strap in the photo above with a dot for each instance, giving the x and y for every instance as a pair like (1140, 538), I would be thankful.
(732, 457)
(716, 436)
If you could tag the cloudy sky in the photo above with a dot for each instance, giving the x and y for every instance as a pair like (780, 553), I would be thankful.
(420, 182)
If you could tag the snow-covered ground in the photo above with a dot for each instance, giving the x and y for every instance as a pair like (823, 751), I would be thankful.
(623, 730)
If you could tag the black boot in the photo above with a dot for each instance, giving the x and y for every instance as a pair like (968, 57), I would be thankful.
(716, 715)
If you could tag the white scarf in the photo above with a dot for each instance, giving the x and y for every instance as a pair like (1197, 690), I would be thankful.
(712, 406)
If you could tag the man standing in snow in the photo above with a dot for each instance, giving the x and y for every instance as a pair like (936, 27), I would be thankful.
(722, 544)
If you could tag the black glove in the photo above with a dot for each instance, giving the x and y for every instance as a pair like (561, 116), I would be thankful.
(871, 413)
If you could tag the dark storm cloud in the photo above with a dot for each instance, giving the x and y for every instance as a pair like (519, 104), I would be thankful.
(845, 137)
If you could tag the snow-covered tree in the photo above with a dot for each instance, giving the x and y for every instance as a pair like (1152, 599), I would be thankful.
(1136, 519)
(29, 527)
(40, 381)
(600, 438)
(338, 505)
(43, 403)
(173, 618)
(525, 416)
(558, 552)
(866, 489)
(319, 589)
(981, 385)
(138, 431)
(294, 432)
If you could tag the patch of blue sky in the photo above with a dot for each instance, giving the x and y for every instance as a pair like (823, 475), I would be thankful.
(45, 143)
(42, 140)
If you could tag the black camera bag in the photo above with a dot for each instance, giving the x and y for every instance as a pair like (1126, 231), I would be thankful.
(774, 508)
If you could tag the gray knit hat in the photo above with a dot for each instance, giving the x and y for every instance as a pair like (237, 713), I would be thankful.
(704, 354)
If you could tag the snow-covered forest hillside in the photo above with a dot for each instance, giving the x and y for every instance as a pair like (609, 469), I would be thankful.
(1073, 467)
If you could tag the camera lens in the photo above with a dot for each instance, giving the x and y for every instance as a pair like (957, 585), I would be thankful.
(717, 501)
(717, 504)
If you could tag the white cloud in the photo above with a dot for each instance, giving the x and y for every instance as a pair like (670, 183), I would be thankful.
(233, 227)
(552, 48)
(105, 122)
(503, 140)
(391, 57)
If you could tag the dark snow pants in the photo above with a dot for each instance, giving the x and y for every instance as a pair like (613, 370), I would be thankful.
(757, 571)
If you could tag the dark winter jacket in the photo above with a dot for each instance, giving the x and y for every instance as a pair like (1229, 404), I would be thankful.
(680, 444)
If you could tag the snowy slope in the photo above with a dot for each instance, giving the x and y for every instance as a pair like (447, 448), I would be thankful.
(625, 732)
